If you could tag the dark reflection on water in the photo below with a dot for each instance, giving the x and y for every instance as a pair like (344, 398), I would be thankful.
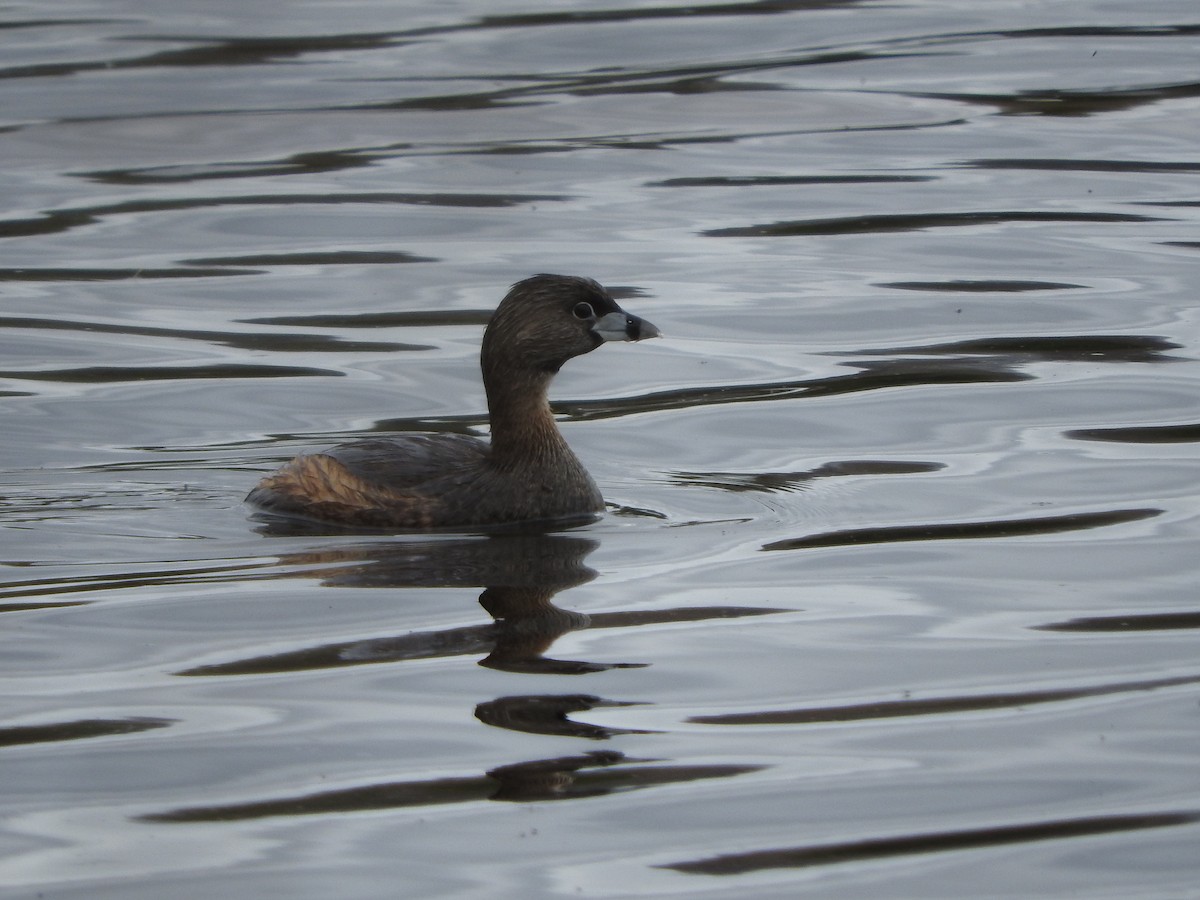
(108, 580)
(563, 778)
(308, 162)
(663, 11)
(1085, 165)
(116, 274)
(771, 482)
(243, 51)
(1128, 622)
(396, 319)
(740, 181)
(521, 574)
(16, 735)
(891, 709)
(873, 224)
(289, 343)
(874, 375)
(978, 361)
(24, 607)
(217, 371)
(513, 643)
(313, 258)
(211, 52)
(995, 203)
(955, 531)
(935, 842)
(62, 220)
(1140, 434)
(301, 163)
(1072, 102)
(550, 715)
(986, 285)
(1057, 348)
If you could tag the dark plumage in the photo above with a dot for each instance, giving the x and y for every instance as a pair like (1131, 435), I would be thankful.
(527, 473)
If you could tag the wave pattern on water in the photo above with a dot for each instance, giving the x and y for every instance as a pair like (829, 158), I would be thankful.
(933, 842)
(957, 531)
(927, 706)
(564, 778)
(874, 224)
(952, 244)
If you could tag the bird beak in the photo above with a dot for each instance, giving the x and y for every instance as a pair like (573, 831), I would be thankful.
(621, 326)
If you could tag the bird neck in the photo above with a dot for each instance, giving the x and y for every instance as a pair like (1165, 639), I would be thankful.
(524, 433)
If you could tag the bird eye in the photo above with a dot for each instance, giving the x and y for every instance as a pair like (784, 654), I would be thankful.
(583, 311)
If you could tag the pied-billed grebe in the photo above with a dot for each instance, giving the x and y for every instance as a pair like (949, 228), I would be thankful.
(448, 481)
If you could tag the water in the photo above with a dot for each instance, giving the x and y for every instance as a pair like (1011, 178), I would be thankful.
(896, 595)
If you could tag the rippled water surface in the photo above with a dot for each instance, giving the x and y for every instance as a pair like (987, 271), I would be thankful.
(896, 595)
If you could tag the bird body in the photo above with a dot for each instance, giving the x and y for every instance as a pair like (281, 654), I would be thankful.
(528, 473)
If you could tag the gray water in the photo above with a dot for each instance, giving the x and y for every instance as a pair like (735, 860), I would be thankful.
(896, 594)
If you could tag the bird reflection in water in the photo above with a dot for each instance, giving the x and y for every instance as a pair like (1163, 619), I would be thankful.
(573, 777)
(521, 573)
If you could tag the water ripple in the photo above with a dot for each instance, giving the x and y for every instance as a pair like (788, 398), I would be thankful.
(117, 374)
(881, 223)
(206, 52)
(1083, 165)
(1071, 103)
(740, 181)
(17, 735)
(391, 319)
(935, 842)
(141, 273)
(891, 709)
(954, 531)
(562, 778)
(1140, 434)
(313, 258)
(1128, 622)
(1115, 348)
(374, 167)
(306, 162)
(874, 375)
(980, 285)
(540, 626)
(293, 343)
(61, 220)
(541, 714)
(773, 482)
